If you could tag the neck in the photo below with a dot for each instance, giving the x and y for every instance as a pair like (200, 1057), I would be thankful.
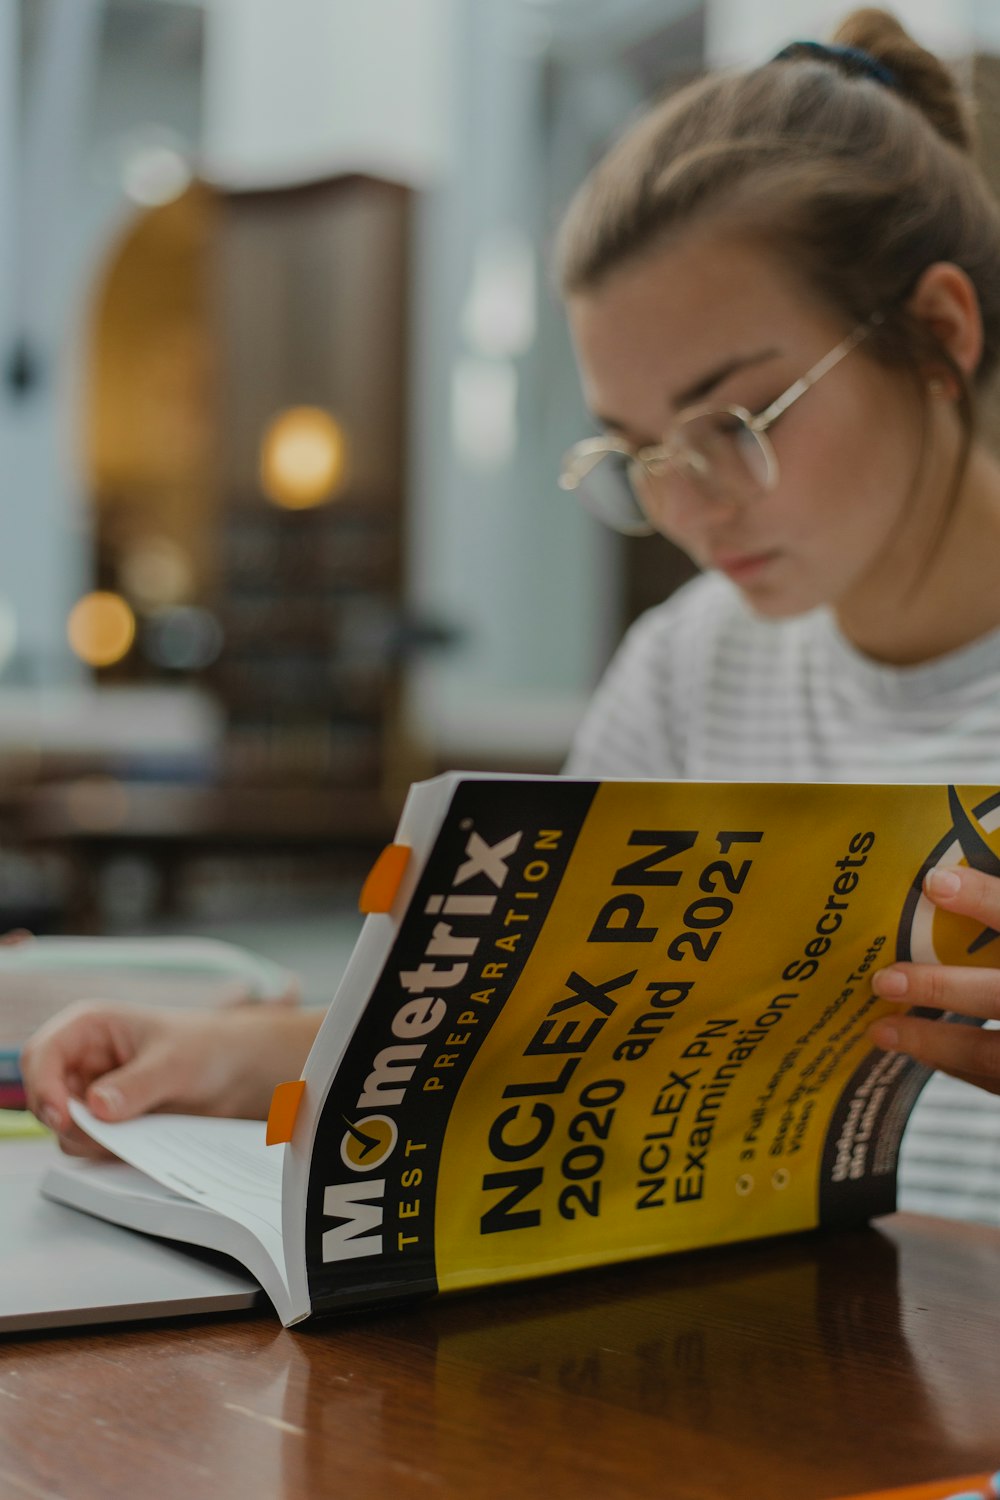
(938, 592)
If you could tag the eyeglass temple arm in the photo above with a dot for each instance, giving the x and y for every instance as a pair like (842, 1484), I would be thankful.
(585, 456)
(763, 420)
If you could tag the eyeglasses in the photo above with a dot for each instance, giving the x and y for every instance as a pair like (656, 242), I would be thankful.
(723, 451)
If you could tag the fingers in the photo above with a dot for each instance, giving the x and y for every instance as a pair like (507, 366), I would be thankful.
(980, 1081)
(15, 936)
(65, 1057)
(966, 1051)
(75, 1142)
(146, 1082)
(969, 991)
(49, 1064)
(968, 892)
(124, 1061)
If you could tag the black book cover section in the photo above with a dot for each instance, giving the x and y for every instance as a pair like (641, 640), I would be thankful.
(857, 1179)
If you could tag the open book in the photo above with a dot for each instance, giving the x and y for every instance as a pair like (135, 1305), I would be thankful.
(583, 1022)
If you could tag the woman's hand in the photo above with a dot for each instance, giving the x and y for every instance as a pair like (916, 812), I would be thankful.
(967, 1052)
(126, 1060)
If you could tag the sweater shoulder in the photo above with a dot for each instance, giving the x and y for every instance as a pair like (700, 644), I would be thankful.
(705, 612)
(638, 720)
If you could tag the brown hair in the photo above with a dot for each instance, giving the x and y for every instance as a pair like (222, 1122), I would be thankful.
(858, 185)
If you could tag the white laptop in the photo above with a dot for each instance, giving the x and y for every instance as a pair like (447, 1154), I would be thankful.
(60, 1268)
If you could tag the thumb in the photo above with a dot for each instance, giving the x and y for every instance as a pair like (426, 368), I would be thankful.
(15, 937)
(138, 1087)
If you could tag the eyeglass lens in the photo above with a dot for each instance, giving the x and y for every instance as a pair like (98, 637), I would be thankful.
(715, 451)
(610, 492)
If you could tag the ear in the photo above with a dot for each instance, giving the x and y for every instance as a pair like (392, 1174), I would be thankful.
(946, 302)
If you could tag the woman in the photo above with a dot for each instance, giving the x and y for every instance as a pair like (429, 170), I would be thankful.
(784, 292)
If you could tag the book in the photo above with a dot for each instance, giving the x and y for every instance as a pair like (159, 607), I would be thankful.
(584, 1021)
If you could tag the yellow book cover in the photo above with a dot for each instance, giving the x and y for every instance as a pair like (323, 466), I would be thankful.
(624, 1018)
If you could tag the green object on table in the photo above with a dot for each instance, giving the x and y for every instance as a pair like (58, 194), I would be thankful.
(15, 1124)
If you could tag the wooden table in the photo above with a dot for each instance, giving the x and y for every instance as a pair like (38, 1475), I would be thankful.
(812, 1368)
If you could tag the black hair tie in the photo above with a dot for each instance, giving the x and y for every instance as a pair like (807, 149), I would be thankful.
(852, 60)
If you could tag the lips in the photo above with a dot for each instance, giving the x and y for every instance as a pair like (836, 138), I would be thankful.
(742, 567)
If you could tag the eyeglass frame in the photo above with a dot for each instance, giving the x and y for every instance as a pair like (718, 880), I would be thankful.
(665, 453)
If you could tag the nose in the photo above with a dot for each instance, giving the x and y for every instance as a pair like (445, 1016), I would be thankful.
(683, 507)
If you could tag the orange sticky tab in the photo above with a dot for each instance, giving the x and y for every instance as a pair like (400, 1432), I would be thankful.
(379, 890)
(285, 1103)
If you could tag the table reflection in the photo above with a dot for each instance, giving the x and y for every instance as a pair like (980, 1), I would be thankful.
(765, 1368)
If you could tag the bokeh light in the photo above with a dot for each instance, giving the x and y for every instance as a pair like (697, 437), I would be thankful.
(156, 572)
(184, 639)
(101, 628)
(154, 174)
(303, 458)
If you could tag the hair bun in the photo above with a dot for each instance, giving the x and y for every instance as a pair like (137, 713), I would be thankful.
(921, 77)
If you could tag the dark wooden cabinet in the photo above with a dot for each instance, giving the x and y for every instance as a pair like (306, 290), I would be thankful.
(311, 297)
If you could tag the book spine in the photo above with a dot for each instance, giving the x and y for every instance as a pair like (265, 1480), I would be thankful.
(481, 901)
(12, 1094)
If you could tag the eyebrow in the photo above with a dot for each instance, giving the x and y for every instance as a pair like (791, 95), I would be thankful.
(707, 384)
(702, 387)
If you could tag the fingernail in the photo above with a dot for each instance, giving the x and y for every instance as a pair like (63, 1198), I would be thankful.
(890, 982)
(942, 883)
(108, 1098)
(51, 1117)
(884, 1036)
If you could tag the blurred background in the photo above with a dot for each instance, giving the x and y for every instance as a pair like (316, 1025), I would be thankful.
(283, 391)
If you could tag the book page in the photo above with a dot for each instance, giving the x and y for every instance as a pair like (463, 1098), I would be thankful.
(222, 1164)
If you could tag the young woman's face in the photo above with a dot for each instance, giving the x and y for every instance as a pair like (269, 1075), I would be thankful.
(705, 321)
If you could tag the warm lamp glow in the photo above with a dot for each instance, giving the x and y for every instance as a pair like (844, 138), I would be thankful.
(303, 458)
(101, 629)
